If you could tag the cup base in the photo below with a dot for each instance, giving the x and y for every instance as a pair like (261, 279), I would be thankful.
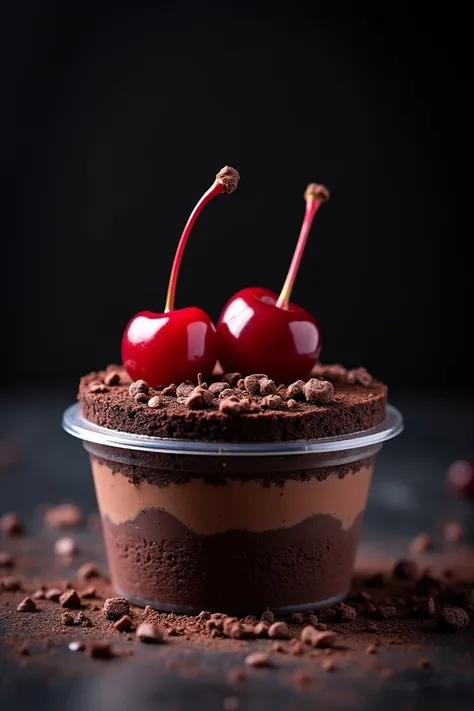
(189, 610)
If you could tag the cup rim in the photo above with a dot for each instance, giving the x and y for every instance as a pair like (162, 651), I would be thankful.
(76, 425)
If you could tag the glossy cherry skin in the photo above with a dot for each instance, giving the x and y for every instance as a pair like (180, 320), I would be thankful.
(169, 347)
(256, 336)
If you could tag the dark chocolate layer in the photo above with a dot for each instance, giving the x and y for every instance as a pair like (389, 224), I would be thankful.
(165, 469)
(355, 407)
(156, 558)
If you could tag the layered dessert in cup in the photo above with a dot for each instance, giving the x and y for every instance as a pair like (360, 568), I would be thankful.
(237, 487)
(226, 507)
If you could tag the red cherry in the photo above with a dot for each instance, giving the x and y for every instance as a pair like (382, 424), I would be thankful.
(261, 332)
(255, 336)
(461, 478)
(175, 345)
(170, 347)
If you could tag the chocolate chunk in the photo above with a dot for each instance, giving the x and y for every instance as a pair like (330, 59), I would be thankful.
(112, 378)
(241, 384)
(296, 390)
(65, 547)
(149, 633)
(232, 379)
(10, 583)
(204, 615)
(38, 594)
(170, 390)
(27, 605)
(454, 532)
(252, 384)
(141, 398)
(229, 392)
(291, 404)
(100, 650)
(6, 560)
(319, 391)
(89, 592)
(199, 399)
(371, 627)
(88, 571)
(405, 570)
(184, 389)
(63, 516)
(232, 406)
(98, 388)
(67, 619)
(272, 402)
(267, 387)
(115, 607)
(360, 376)
(76, 646)
(268, 617)
(53, 594)
(322, 640)
(372, 649)
(311, 619)
(217, 388)
(139, 386)
(155, 401)
(421, 543)
(261, 629)
(11, 524)
(345, 613)
(70, 599)
(124, 624)
(297, 617)
(278, 630)
(83, 620)
(258, 660)
(452, 619)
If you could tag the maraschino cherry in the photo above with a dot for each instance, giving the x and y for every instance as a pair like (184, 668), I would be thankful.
(261, 332)
(175, 345)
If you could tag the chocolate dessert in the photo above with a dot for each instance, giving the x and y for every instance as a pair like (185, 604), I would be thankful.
(194, 530)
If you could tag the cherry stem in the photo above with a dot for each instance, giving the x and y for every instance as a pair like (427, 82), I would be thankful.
(315, 195)
(226, 181)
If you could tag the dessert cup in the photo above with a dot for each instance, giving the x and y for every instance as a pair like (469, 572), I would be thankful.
(231, 527)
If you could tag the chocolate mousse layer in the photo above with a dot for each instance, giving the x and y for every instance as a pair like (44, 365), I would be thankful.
(348, 401)
(283, 540)
(156, 560)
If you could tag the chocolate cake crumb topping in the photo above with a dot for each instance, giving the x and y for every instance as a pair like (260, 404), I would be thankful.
(139, 386)
(112, 378)
(318, 391)
(452, 619)
(296, 390)
(318, 408)
(184, 389)
(170, 390)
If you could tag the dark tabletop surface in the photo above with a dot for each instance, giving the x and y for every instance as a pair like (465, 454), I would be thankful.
(408, 496)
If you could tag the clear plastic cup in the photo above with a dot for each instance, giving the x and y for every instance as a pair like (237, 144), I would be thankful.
(235, 528)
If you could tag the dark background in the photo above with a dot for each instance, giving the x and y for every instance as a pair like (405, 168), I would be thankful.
(116, 119)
